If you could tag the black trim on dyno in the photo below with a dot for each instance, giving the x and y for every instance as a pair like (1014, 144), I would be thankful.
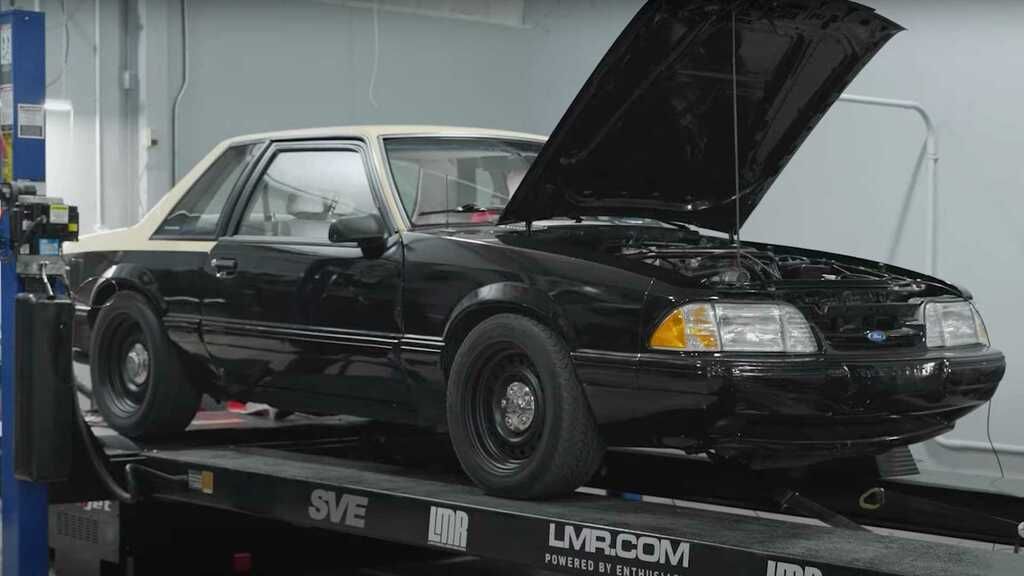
(336, 474)
(407, 507)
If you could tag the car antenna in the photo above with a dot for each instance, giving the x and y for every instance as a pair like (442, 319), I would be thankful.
(736, 141)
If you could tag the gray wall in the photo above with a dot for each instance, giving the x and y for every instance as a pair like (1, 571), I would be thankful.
(260, 64)
(258, 67)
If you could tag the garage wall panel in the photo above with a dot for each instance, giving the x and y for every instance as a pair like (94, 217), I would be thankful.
(504, 12)
(263, 65)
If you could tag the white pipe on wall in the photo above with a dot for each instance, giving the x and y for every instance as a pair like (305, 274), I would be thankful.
(932, 152)
(978, 446)
(175, 108)
(99, 116)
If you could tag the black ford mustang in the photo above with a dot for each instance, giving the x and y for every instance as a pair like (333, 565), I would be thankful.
(541, 299)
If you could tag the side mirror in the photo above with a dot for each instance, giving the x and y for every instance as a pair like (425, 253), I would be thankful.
(366, 229)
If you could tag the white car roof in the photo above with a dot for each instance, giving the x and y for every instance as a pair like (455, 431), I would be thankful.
(376, 131)
(138, 236)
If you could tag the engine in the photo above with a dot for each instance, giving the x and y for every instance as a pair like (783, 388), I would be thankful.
(724, 267)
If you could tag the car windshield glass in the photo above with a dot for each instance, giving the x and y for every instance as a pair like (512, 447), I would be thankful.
(457, 180)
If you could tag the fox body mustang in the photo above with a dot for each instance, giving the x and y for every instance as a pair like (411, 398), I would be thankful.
(539, 299)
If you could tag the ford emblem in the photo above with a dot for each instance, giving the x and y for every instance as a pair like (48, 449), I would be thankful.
(877, 336)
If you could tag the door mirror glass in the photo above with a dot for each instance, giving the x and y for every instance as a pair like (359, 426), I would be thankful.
(362, 229)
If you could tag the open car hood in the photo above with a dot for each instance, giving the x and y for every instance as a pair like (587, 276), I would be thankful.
(651, 134)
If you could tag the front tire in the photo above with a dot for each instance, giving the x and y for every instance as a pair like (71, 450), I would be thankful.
(519, 421)
(139, 384)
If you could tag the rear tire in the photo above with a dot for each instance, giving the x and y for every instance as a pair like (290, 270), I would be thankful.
(139, 384)
(518, 419)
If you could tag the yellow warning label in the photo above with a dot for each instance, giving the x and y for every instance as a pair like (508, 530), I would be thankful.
(73, 227)
(7, 173)
(59, 214)
(200, 481)
(206, 482)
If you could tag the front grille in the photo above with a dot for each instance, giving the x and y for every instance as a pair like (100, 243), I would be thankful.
(846, 327)
(894, 339)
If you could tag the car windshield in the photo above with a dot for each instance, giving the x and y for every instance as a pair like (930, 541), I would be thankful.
(457, 180)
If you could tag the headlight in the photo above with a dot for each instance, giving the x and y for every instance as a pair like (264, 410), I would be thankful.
(730, 327)
(953, 323)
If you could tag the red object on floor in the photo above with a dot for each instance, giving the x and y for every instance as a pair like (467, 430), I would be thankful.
(236, 406)
(241, 563)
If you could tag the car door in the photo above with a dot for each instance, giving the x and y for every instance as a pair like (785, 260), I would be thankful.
(295, 318)
(170, 264)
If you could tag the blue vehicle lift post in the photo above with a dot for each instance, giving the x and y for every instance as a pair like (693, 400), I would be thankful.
(22, 94)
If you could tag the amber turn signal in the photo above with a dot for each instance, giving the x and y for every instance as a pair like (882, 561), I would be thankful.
(691, 328)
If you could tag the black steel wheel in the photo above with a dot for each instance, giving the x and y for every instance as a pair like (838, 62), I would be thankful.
(518, 419)
(138, 382)
(507, 412)
(129, 373)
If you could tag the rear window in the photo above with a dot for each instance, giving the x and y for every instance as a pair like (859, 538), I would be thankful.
(198, 214)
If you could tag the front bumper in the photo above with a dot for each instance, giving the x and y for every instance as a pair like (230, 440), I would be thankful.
(816, 407)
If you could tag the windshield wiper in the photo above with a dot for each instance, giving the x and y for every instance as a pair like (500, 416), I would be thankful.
(464, 209)
(676, 224)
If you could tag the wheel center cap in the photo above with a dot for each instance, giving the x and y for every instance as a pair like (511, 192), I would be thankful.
(518, 407)
(136, 364)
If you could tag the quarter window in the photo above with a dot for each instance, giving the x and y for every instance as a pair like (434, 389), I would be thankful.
(198, 214)
(303, 191)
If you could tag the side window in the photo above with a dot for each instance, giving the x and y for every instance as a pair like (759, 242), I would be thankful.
(303, 191)
(199, 211)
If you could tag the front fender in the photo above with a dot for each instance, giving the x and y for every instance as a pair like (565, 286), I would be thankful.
(507, 297)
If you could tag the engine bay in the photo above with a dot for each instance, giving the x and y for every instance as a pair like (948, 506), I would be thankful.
(843, 296)
(747, 266)
(720, 263)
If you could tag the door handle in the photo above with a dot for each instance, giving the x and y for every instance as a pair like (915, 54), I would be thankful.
(224, 267)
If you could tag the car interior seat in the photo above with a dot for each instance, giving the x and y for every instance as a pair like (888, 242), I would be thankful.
(513, 178)
(310, 216)
(263, 218)
(431, 197)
